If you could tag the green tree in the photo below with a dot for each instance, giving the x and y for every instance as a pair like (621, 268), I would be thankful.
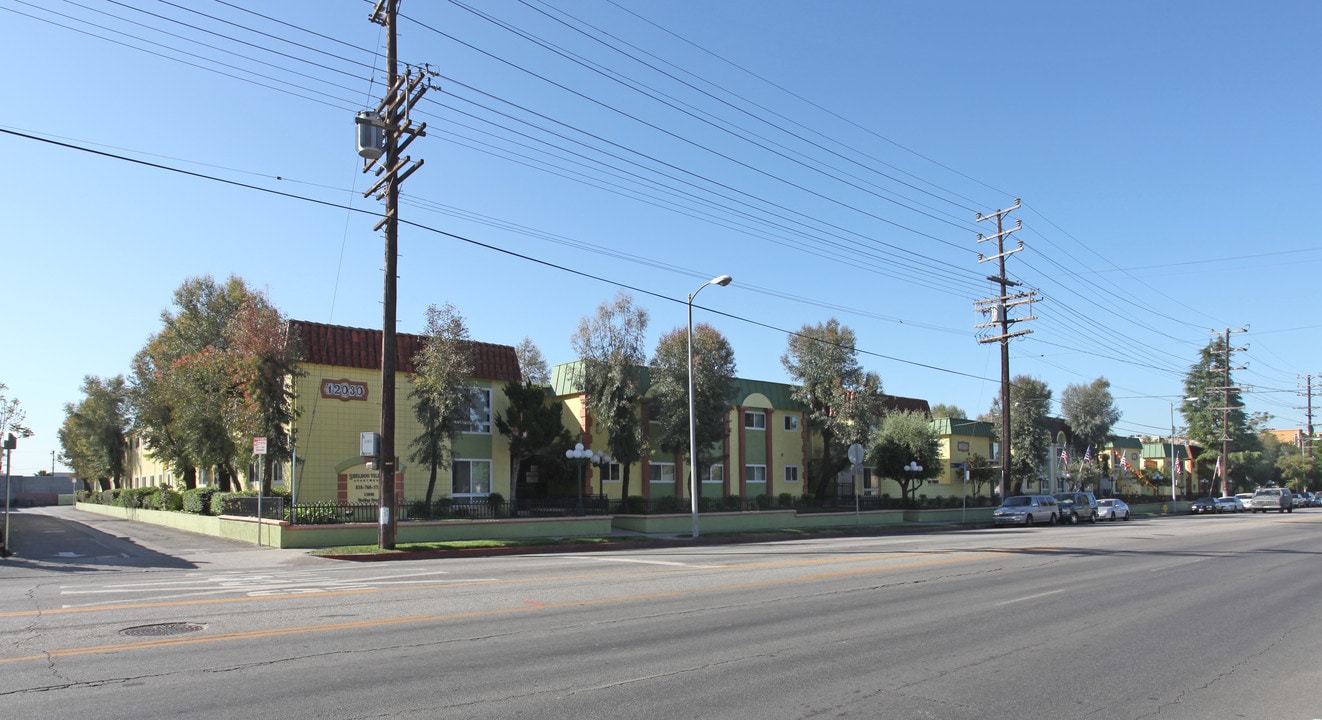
(93, 437)
(1300, 472)
(12, 416)
(1030, 401)
(535, 433)
(843, 401)
(532, 364)
(184, 391)
(443, 396)
(905, 437)
(942, 410)
(1090, 411)
(1216, 412)
(981, 473)
(713, 390)
(610, 347)
(264, 361)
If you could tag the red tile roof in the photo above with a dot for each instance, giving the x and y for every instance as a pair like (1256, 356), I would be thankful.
(341, 346)
(893, 403)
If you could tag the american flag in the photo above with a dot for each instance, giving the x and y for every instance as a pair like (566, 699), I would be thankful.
(1064, 457)
(1217, 472)
(1124, 463)
(1087, 455)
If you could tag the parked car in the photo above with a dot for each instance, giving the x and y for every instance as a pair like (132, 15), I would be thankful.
(1112, 508)
(1203, 505)
(1273, 498)
(1229, 504)
(1298, 500)
(1026, 510)
(1076, 507)
(1245, 499)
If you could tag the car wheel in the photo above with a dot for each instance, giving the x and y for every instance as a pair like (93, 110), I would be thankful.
(1093, 519)
(1053, 518)
(1028, 520)
(1126, 516)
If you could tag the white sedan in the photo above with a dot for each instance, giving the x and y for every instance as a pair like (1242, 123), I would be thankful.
(1112, 508)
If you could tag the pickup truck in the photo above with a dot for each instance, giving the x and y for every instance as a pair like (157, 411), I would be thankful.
(1273, 498)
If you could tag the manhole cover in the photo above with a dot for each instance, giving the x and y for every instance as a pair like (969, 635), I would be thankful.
(163, 629)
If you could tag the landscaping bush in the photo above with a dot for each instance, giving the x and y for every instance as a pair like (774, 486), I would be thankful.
(763, 501)
(635, 505)
(198, 500)
(785, 500)
(666, 505)
(166, 499)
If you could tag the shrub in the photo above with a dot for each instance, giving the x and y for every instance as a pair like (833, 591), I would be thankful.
(635, 505)
(785, 500)
(167, 499)
(198, 500)
(667, 504)
(763, 501)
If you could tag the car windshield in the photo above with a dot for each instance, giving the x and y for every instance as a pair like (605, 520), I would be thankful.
(1017, 502)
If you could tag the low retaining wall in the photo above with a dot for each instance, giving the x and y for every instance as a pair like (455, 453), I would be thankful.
(278, 533)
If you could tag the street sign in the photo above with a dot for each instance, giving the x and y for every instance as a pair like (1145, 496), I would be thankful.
(957, 466)
(856, 454)
(259, 446)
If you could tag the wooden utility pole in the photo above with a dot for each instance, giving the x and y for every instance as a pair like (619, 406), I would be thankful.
(1225, 409)
(402, 93)
(999, 308)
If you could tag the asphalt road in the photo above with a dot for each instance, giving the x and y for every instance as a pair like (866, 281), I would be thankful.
(1184, 617)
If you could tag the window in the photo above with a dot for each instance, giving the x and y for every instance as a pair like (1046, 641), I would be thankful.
(755, 473)
(470, 478)
(755, 420)
(715, 474)
(791, 423)
(480, 413)
(610, 472)
(791, 473)
(663, 473)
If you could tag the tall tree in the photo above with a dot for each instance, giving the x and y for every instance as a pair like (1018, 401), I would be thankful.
(1030, 400)
(1090, 411)
(93, 436)
(12, 416)
(843, 401)
(905, 437)
(713, 390)
(442, 390)
(183, 390)
(610, 348)
(535, 432)
(942, 410)
(1217, 409)
(264, 361)
(532, 364)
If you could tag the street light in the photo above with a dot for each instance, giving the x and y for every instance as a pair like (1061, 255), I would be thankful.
(722, 280)
(580, 454)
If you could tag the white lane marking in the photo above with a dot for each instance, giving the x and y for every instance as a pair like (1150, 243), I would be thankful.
(1029, 597)
(644, 562)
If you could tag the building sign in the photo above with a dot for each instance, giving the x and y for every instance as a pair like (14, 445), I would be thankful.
(962, 445)
(343, 390)
(364, 486)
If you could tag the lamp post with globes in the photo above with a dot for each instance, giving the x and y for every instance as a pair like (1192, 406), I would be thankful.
(722, 280)
(913, 468)
(579, 455)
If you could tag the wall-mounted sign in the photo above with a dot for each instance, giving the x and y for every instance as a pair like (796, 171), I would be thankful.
(963, 446)
(343, 390)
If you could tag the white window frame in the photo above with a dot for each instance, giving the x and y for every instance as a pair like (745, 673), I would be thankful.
(752, 416)
(794, 471)
(654, 472)
(790, 419)
(748, 471)
(611, 472)
(715, 474)
(470, 462)
(480, 416)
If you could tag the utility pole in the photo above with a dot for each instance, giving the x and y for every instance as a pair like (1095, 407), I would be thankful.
(999, 308)
(1225, 409)
(392, 116)
(1306, 442)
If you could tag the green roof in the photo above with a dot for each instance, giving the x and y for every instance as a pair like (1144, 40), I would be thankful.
(961, 426)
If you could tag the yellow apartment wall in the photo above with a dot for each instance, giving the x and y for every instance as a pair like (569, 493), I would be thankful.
(328, 431)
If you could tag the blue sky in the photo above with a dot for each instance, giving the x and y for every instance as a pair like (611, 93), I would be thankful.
(831, 156)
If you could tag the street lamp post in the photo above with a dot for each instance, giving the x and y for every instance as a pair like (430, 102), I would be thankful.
(579, 455)
(913, 468)
(722, 280)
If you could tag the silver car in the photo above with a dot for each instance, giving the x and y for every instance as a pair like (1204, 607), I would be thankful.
(1112, 508)
(1026, 510)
